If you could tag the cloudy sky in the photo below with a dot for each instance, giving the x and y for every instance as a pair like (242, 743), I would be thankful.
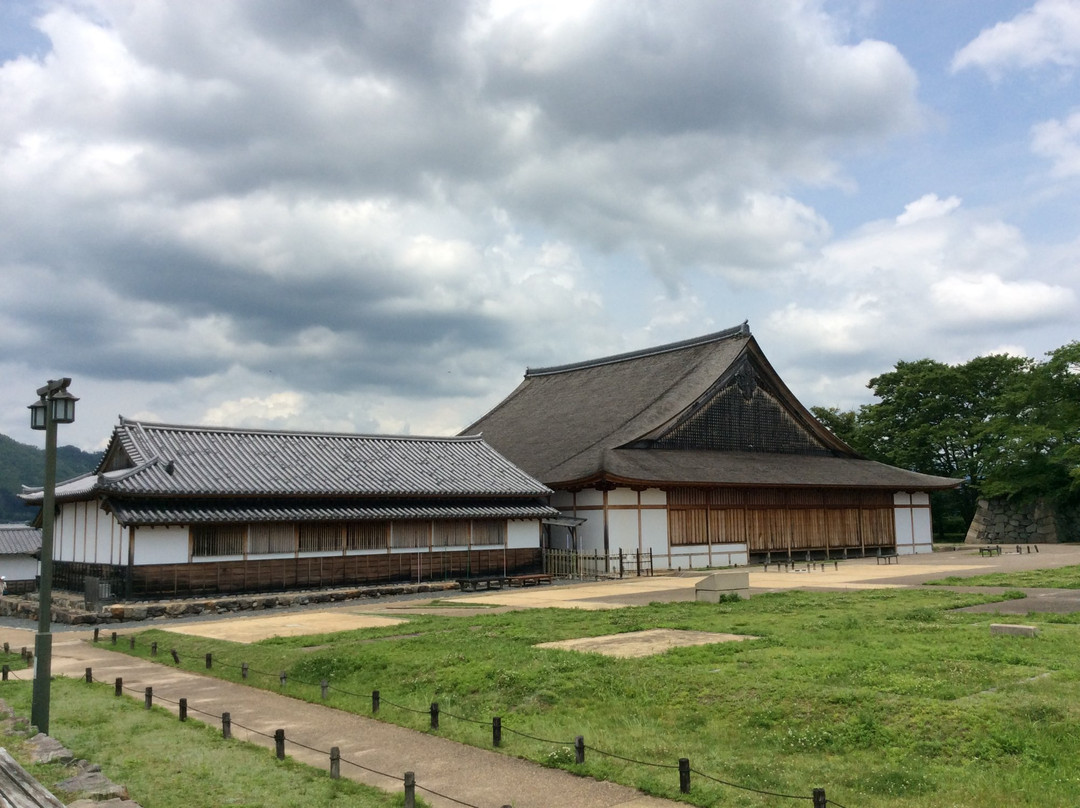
(373, 216)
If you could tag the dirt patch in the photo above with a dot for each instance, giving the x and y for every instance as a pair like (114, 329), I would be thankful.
(253, 629)
(644, 643)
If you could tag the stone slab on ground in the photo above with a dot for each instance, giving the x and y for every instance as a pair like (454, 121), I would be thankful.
(1011, 629)
(644, 643)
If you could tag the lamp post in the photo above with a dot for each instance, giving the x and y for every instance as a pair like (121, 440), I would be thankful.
(55, 405)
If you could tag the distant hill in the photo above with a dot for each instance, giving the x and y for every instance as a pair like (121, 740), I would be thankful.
(25, 465)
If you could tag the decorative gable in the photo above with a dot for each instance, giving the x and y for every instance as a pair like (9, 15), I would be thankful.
(740, 413)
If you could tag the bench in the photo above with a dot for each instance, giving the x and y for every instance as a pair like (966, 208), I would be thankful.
(991, 550)
(19, 790)
(488, 582)
(888, 558)
(530, 579)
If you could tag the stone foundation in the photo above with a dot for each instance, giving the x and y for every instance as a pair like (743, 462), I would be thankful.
(71, 609)
(999, 521)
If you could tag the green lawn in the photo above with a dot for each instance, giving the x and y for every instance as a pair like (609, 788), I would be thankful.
(168, 764)
(882, 697)
(1060, 578)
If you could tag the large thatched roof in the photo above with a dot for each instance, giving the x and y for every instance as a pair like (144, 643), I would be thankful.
(705, 411)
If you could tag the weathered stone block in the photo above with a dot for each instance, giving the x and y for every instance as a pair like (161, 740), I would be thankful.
(1013, 630)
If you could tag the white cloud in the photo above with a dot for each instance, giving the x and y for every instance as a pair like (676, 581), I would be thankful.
(938, 281)
(927, 207)
(1046, 34)
(1059, 141)
(988, 301)
(254, 411)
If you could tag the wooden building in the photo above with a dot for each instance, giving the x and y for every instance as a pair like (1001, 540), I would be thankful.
(698, 452)
(20, 546)
(178, 510)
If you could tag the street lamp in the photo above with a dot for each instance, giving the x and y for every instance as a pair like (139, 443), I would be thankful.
(55, 405)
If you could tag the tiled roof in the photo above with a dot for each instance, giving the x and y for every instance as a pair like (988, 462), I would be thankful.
(19, 540)
(702, 467)
(709, 411)
(555, 414)
(163, 460)
(158, 513)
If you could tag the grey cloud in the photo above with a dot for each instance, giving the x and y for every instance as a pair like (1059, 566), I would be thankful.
(638, 68)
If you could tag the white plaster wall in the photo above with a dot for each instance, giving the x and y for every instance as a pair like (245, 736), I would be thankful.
(623, 531)
(18, 567)
(110, 536)
(162, 545)
(64, 533)
(653, 496)
(591, 533)
(654, 535)
(923, 529)
(622, 496)
(85, 533)
(590, 496)
(522, 533)
(914, 529)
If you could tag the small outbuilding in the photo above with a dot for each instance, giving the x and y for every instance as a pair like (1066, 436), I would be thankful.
(180, 510)
(696, 453)
(20, 547)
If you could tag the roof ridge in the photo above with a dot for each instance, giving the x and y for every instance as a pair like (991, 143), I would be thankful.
(144, 425)
(742, 330)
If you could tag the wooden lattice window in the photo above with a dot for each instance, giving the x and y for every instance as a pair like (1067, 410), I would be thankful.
(488, 532)
(319, 537)
(367, 535)
(271, 537)
(217, 540)
(450, 533)
(410, 534)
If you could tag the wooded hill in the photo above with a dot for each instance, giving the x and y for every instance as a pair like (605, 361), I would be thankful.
(21, 465)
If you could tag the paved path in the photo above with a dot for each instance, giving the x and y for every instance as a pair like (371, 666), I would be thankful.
(465, 774)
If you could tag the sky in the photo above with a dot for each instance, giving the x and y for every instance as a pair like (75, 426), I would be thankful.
(374, 216)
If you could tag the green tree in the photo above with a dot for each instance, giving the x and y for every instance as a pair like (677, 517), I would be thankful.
(1035, 451)
(937, 419)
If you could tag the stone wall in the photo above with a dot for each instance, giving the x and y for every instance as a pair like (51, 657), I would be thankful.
(999, 521)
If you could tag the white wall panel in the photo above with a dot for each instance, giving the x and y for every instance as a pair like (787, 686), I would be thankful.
(18, 567)
(591, 533)
(622, 496)
(590, 496)
(160, 545)
(623, 531)
(654, 535)
(653, 496)
(522, 534)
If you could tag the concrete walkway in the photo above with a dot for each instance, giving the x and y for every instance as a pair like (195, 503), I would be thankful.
(465, 775)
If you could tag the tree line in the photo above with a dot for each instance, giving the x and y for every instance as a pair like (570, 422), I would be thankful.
(1008, 426)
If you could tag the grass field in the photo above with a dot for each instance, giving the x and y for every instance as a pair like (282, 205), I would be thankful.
(1060, 578)
(168, 764)
(884, 698)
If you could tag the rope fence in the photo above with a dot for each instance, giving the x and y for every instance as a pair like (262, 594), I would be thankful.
(817, 798)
